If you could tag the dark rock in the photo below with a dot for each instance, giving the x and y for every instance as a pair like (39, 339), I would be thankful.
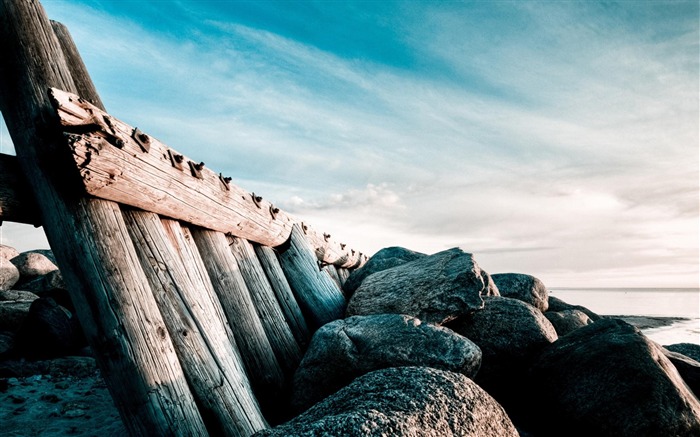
(382, 260)
(688, 368)
(13, 314)
(8, 252)
(434, 289)
(690, 350)
(9, 274)
(32, 264)
(7, 340)
(556, 304)
(567, 320)
(39, 284)
(48, 331)
(607, 379)
(491, 288)
(17, 296)
(510, 334)
(403, 401)
(73, 366)
(522, 287)
(342, 350)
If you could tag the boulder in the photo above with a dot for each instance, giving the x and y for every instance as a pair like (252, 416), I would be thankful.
(7, 339)
(13, 314)
(688, 368)
(510, 334)
(382, 260)
(566, 321)
(32, 264)
(8, 252)
(43, 283)
(522, 287)
(9, 274)
(434, 289)
(491, 289)
(17, 296)
(607, 379)
(342, 350)
(556, 304)
(403, 401)
(690, 350)
(49, 330)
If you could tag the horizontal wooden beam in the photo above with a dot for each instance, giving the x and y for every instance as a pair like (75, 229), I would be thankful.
(16, 199)
(118, 162)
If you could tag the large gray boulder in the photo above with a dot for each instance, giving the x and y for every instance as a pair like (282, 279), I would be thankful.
(403, 401)
(566, 321)
(510, 334)
(556, 304)
(382, 260)
(13, 314)
(8, 252)
(690, 350)
(9, 275)
(522, 287)
(342, 350)
(32, 264)
(688, 368)
(434, 289)
(607, 379)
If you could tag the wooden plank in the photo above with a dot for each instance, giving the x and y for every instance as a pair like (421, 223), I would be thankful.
(317, 295)
(292, 313)
(200, 338)
(268, 308)
(343, 274)
(114, 165)
(333, 274)
(16, 199)
(330, 251)
(262, 367)
(98, 261)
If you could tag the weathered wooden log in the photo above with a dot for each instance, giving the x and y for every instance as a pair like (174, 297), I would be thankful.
(317, 295)
(292, 313)
(16, 199)
(333, 274)
(278, 332)
(108, 287)
(330, 251)
(201, 342)
(343, 274)
(263, 369)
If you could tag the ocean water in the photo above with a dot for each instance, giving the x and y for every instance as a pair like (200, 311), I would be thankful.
(663, 302)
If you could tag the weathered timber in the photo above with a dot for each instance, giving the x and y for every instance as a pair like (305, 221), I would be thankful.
(98, 261)
(317, 294)
(333, 273)
(16, 199)
(343, 274)
(263, 369)
(268, 308)
(199, 336)
(292, 313)
(120, 163)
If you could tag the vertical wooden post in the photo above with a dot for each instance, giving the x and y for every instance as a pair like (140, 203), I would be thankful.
(200, 338)
(97, 259)
(333, 274)
(292, 313)
(278, 333)
(317, 294)
(263, 369)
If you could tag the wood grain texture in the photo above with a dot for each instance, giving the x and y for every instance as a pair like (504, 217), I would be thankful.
(263, 369)
(16, 199)
(202, 344)
(268, 308)
(292, 312)
(98, 261)
(333, 274)
(317, 294)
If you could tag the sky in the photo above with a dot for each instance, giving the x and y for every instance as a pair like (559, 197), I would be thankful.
(554, 138)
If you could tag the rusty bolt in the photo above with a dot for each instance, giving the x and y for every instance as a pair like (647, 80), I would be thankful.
(227, 179)
(119, 142)
(342, 246)
(326, 236)
(199, 166)
(179, 158)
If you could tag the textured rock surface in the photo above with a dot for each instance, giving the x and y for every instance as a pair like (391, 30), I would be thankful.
(607, 379)
(382, 260)
(33, 264)
(9, 274)
(8, 252)
(435, 289)
(342, 350)
(13, 314)
(567, 320)
(522, 287)
(688, 368)
(510, 334)
(690, 350)
(48, 331)
(556, 304)
(403, 401)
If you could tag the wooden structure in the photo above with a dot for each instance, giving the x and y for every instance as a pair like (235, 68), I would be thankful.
(197, 297)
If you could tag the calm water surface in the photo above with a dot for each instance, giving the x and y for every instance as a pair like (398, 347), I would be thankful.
(664, 302)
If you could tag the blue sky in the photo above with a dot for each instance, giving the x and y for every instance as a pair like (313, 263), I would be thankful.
(554, 138)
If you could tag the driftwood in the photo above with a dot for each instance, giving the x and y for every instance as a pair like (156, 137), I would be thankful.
(317, 294)
(98, 261)
(333, 274)
(292, 313)
(278, 332)
(16, 199)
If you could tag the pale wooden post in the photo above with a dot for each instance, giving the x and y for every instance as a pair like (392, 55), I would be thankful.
(263, 369)
(292, 313)
(278, 332)
(115, 306)
(317, 294)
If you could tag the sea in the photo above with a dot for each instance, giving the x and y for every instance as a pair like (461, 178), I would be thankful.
(656, 302)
